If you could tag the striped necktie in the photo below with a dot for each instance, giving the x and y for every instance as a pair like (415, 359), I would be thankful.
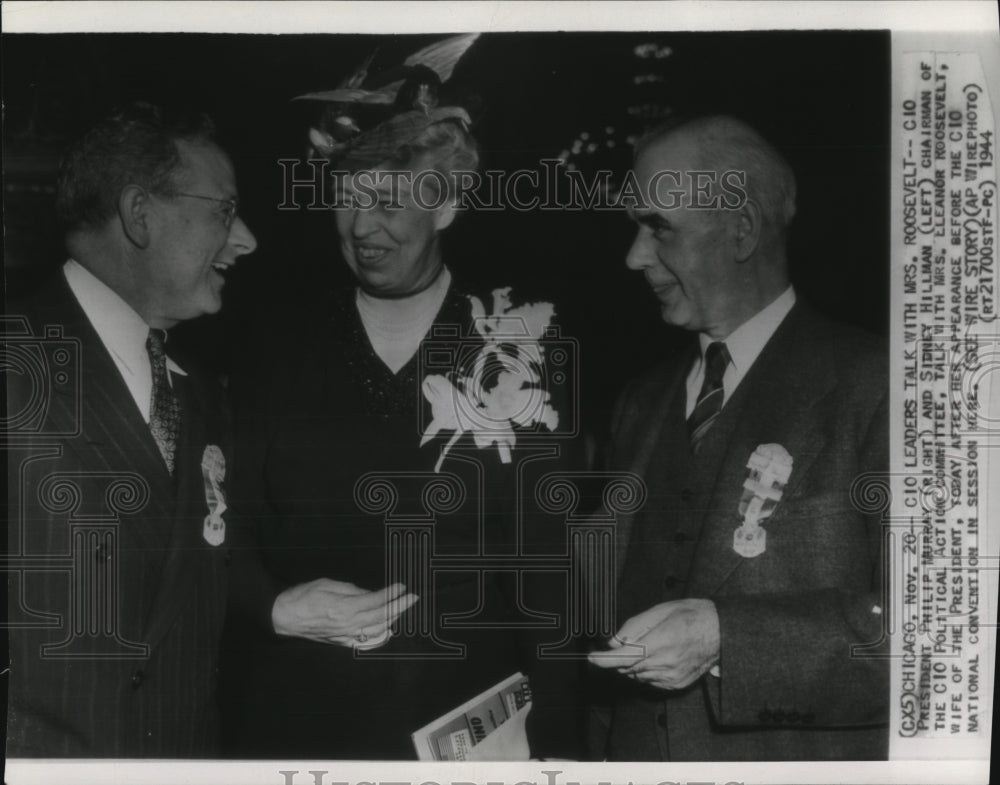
(712, 393)
(164, 407)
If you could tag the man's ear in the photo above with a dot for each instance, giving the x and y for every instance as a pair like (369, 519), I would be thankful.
(445, 216)
(748, 229)
(133, 214)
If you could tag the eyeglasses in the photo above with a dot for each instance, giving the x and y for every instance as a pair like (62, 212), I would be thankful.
(231, 205)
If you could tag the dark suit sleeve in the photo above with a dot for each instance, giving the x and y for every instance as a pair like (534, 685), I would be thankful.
(252, 588)
(816, 657)
(622, 404)
(555, 724)
(601, 686)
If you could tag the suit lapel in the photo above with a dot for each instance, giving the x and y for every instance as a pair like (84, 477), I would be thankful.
(111, 420)
(113, 434)
(775, 401)
(115, 437)
(651, 434)
(179, 576)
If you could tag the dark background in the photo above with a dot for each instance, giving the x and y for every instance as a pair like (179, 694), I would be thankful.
(822, 98)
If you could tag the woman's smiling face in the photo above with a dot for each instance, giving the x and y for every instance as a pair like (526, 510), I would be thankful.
(388, 237)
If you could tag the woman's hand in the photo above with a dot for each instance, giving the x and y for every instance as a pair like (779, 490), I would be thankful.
(336, 612)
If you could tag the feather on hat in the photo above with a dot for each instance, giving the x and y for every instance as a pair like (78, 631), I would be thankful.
(366, 125)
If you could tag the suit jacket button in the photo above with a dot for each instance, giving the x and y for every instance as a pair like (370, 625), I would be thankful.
(670, 582)
(661, 719)
(764, 716)
(793, 716)
(687, 495)
(808, 717)
(680, 538)
(778, 716)
(137, 679)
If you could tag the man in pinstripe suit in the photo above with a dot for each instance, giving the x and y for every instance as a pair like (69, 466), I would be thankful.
(116, 461)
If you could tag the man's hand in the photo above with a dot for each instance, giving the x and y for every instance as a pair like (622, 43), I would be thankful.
(670, 646)
(336, 612)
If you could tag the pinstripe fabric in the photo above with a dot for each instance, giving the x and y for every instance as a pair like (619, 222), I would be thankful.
(152, 694)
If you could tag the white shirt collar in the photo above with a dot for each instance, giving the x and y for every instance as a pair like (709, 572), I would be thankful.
(744, 344)
(747, 341)
(122, 331)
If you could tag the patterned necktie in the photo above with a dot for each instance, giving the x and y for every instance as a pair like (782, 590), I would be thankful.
(712, 393)
(164, 407)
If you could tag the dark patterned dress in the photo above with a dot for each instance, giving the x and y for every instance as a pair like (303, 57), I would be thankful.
(327, 449)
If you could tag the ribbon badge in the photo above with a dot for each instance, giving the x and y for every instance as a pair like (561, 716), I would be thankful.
(768, 470)
(213, 472)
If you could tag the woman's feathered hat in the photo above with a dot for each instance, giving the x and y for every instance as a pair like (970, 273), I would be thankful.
(369, 119)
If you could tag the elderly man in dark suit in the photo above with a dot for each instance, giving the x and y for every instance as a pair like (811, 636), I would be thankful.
(117, 577)
(749, 585)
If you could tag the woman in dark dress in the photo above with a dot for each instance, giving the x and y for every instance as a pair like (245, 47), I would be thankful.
(344, 482)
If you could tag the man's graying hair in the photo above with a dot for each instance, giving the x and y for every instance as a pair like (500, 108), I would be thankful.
(134, 145)
(729, 144)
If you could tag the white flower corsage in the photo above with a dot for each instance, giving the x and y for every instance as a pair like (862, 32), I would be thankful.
(503, 387)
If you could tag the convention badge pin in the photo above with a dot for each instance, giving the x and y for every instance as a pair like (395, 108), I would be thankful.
(768, 470)
(749, 541)
(213, 472)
